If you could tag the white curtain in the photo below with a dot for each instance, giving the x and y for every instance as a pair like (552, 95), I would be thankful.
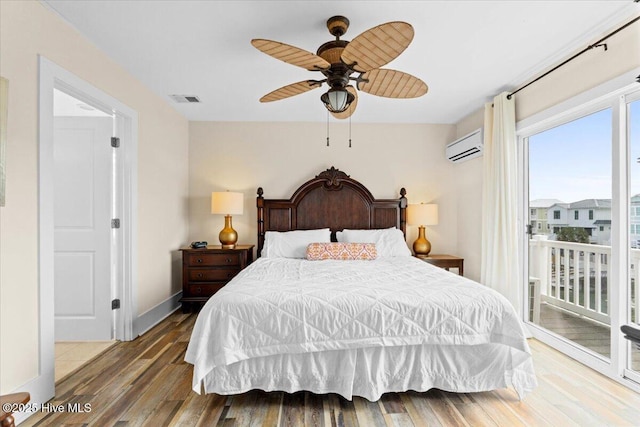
(500, 260)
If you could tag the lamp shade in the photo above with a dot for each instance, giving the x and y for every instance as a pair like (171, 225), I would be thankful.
(227, 203)
(337, 100)
(422, 214)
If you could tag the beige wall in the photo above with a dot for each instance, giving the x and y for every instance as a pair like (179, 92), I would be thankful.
(469, 193)
(26, 30)
(281, 156)
(587, 71)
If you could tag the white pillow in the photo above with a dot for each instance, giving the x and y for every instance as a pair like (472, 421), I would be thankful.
(292, 244)
(360, 234)
(389, 242)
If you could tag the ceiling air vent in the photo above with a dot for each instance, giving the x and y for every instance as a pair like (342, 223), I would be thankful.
(185, 98)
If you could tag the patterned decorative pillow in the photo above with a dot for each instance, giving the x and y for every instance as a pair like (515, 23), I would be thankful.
(341, 251)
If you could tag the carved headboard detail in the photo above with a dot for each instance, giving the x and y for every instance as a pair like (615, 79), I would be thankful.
(332, 199)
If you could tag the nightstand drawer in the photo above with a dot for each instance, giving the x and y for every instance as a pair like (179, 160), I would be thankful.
(206, 270)
(204, 289)
(209, 259)
(211, 274)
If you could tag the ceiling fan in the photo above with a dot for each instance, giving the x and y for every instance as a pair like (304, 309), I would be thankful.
(338, 59)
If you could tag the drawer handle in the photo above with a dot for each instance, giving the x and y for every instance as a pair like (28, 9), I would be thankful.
(199, 260)
(228, 260)
(199, 275)
(198, 290)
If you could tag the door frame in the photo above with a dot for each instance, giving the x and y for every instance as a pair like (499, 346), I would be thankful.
(124, 240)
(603, 95)
(623, 103)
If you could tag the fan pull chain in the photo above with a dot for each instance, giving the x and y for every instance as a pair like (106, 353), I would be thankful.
(349, 130)
(327, 128)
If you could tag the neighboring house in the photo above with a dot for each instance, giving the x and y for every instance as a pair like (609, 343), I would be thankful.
(602, 232)
(593, 215)
(557, 218)
(538, 215)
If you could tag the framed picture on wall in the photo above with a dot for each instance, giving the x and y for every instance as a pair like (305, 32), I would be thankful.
(4, 110)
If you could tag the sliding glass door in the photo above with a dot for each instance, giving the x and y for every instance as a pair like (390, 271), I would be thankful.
(570, 225)
(581, 176)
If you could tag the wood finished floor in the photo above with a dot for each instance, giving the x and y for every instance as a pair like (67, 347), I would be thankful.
(146, 383)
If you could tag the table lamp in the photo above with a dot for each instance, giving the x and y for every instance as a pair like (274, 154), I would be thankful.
(227, 203)
(421, 215)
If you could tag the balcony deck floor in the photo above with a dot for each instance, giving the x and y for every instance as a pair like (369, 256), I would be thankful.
(582, 331)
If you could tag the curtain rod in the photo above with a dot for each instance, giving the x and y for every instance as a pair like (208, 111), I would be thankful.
(591, 46)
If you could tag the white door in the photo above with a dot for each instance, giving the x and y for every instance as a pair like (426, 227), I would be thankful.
(82, 228)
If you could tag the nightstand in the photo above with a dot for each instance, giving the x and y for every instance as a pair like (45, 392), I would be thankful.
(445, 261)
(205, 271)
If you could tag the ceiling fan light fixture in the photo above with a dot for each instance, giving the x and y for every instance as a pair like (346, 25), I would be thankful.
(338, 59)
(337, 100)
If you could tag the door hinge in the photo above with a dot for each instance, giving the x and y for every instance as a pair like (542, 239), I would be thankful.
(115, 223)
(115, 142)
(115, 304)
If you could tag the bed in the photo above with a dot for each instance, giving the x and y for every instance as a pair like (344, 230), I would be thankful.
(360, 317)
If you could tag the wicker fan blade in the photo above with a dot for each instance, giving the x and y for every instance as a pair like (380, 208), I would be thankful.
(378, 46)
(392, 84)
(352, 108)
(291, 54)
(290, 90)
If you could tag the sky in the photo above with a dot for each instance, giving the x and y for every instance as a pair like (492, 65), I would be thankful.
(572, 162)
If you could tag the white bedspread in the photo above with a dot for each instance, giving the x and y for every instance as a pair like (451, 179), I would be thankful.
(279, 308)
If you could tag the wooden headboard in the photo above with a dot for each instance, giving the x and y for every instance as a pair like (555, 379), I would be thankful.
(330, 200)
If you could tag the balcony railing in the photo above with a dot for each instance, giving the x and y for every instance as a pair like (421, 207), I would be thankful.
(575, 277)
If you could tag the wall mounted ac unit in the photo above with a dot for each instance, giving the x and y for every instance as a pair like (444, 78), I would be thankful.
(466, 148)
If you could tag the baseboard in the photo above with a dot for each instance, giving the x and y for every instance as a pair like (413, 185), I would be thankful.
(157, 314)
(41, 391)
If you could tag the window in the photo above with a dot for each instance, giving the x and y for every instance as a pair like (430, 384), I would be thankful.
(556, 230)
(533, 212)
(539, 226)
(556, 214)
(590, 213)
(576, 215)
(601, 228)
